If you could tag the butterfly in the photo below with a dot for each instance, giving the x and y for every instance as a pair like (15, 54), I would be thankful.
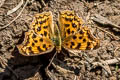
(44, 35)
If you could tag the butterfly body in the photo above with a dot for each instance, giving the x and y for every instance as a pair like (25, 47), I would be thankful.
(44, 36)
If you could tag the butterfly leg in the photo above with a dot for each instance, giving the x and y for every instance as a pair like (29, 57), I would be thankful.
(51, 60)
(49, 74)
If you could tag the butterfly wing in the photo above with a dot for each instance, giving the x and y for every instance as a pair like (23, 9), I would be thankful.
(82, 40)
(43, 24)
(69, 23)
(74, 36)
(37, 40)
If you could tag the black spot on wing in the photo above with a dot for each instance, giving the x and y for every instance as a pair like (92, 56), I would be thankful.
(31, 52)
(66, 19)
(78, 46)
(38, 47)
(39, 17)
(33, 36)
(69, 14)
(36, 23)
(74, 37)
(45, 33)
(41, 22)
(81, 32)
(68, 31)
(71, 46)
(66, 44)
(45, 27)
(44, 45)
(34, 28)
(41, 34)
(69, 19)
(39, 29)
(33, 44)
(74, 25)
(30, 48)
(78, 29)
(35, 41)
(88, 45)
(84, 40)
(80, 37)
(41, 39)
(80, 24)
(46, 48)
(72, 32)
(67, 25)
(50, 45)
(44, 21)
(72, 43)
(76, 19)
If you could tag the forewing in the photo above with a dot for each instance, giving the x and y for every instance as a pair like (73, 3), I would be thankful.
(35, 45)
(69, 23)
(74, 35)
(43, 24)
(38, 39)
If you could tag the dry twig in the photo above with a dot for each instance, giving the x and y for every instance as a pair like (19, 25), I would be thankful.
(50, 75)
(112, 61)
(15, 17)
(43, 2)
(102, 20)
(115, 53)
(110, 34)
(16, 8)
(104, 64)
(62, 70)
